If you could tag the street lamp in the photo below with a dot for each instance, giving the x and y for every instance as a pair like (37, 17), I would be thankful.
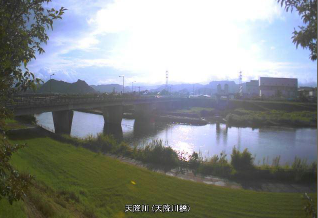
(51, 82)
(123, 83)
(132, 86)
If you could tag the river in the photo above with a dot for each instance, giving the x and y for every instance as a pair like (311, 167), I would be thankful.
(264, 143)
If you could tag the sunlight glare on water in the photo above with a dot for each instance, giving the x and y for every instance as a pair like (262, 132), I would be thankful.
(208, 140)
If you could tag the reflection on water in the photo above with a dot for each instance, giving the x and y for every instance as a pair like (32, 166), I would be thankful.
(142, 129)
(209, 140)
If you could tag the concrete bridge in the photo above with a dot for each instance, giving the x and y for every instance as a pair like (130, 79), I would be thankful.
(62, 107)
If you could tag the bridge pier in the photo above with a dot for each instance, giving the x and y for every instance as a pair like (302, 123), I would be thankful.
(115, 130)
(143, 112)
(113, 114)
(63, 121)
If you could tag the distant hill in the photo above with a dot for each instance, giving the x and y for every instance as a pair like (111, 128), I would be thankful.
(180, 87)
(55, 86)
(119, 88)
(108, 88)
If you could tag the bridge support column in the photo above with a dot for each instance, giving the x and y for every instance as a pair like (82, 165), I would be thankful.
(115, 130)
(143, 111)
(63, 121)
(113, 114)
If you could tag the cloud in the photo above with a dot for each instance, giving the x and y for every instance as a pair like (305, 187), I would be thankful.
(185, 37)
(195, 40)
(64, 75)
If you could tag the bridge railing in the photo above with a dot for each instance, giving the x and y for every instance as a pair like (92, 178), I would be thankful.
(25, 101)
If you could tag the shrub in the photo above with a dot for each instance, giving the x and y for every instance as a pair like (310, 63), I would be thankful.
(242, 160)
(275, 163)
(216, 166)
(194, 161)
(124, 149)
(158, 154)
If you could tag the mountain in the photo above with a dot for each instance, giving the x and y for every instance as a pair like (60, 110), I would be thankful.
(180, 87)
(119, 88)
(55, 86)
(80, 87)
(108, 88)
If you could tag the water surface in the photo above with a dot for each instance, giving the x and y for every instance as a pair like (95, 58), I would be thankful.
(211, 139)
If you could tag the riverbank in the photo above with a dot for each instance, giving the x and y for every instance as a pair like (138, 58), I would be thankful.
(261, 117)
(156, 156)
(72, 181)
(164, 117)
(242, 118)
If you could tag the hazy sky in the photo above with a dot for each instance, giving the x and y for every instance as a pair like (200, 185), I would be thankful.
(195, 40)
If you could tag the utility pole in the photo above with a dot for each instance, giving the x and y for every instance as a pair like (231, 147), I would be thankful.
(50, 83)
(139, 89)
(132, 86)
(240, 85)
(123, 83)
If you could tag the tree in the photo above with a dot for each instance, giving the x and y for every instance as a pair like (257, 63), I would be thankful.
(306, 36)
(23, 26)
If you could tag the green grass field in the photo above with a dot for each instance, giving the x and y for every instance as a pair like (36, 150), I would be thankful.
(75, 182)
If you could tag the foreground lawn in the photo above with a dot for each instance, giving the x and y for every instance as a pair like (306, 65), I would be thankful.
(75, 182)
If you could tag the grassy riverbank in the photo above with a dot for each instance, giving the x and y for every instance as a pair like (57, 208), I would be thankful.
(258, 114)
(241, 117)
(72, 182)
(240, 167)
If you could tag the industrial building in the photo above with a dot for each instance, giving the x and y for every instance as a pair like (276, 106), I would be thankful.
(278, 87)
(230, 86)
(252, 88)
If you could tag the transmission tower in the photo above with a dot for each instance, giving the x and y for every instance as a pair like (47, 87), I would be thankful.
(167, 76)
(240, 85)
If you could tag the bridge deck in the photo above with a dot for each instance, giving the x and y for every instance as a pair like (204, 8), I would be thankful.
(23, 105)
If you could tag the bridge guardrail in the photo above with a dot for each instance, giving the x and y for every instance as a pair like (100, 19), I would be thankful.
(19, 102)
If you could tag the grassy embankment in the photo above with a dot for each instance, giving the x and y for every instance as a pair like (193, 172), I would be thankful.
(241, 167)
(261, 113)
(73, 182)
(241, 117)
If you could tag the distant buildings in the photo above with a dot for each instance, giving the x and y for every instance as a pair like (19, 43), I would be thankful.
(278, 87)
(231, 86)
(307, 93)
(252, 88)
(265, 87)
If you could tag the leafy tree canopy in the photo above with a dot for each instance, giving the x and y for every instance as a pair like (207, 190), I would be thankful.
(305, 36)
(23, 26)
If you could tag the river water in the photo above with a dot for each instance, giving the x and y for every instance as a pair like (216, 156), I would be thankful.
(264, 143)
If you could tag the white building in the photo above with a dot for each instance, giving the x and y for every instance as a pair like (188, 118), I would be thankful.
(278, 87)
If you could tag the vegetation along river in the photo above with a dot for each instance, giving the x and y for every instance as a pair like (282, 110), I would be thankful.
(264, 143)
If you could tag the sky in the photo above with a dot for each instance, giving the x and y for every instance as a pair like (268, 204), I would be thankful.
(196, 41)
